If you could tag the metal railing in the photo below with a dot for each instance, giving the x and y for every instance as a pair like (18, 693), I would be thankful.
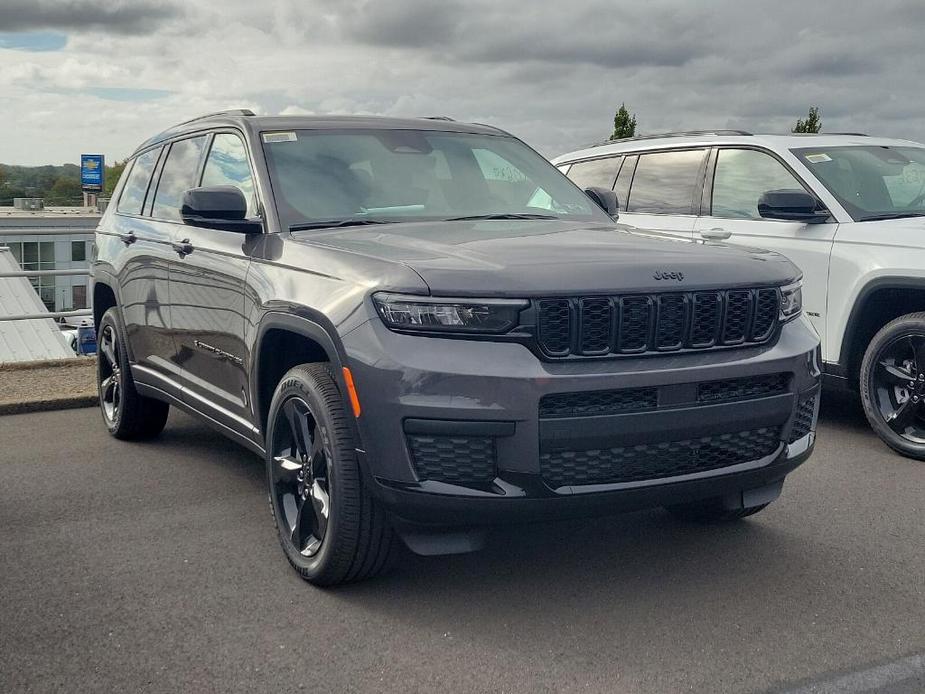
(47, 231)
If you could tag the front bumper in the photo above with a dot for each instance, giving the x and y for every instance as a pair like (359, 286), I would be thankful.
(484, 400)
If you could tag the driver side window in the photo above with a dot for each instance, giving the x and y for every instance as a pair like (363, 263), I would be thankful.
(742, 176)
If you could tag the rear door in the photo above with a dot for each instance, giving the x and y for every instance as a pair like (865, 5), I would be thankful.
(739, 177)
(663, 190)
(143, 287)
(207, 281)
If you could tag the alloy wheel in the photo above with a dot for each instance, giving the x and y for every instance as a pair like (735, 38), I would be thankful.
(110, 374)
(301, 476)
(898, 386)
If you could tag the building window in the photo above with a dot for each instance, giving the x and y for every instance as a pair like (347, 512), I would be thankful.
(78, 296)
(78, 251)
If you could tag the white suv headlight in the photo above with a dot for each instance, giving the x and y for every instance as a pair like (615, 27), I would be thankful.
(791, 301)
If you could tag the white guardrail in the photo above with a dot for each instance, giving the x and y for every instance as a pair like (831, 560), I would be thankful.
(58, 231)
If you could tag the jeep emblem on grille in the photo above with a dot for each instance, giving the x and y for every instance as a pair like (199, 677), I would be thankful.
(669, 276)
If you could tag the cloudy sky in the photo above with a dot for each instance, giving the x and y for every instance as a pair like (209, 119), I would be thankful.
(103, 75)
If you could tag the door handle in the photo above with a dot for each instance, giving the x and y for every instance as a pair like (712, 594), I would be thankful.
(715, 234)
(183, 248)
(128, 239)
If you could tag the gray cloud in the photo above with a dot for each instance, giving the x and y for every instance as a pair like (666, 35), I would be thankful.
(75, 15)
(551, 73)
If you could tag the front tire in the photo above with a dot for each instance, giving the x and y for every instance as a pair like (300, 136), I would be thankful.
(127, 414)
(892, 381)
(330, 527)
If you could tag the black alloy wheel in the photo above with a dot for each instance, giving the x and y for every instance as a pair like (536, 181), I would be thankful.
(127, 414)
(110, 375)
(301, 475)
(899, 386)
(331, 528)
(892, 381)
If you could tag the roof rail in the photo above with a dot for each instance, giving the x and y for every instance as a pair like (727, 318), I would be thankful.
(447, 118)
(854, 134)
(677, 133)
(227, 112)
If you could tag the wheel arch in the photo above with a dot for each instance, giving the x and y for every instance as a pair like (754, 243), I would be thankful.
(879, 302)
(104, 298)
(285, 340)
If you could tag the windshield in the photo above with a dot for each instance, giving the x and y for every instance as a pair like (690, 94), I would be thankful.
(369, 176)
(871, 182)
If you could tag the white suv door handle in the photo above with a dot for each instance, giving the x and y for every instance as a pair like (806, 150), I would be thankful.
(715, 234)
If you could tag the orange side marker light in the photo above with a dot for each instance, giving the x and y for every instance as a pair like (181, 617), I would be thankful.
(352, 392)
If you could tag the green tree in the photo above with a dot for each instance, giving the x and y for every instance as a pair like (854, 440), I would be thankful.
(812, 124)
(65, 191)
(113, 173)
(624, 125)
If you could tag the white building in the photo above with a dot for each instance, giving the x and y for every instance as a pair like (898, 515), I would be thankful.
(58, 246)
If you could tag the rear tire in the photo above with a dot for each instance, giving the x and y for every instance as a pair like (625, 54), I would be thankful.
(330, 527)
(711, 511)
(127, 415)
(892, 385)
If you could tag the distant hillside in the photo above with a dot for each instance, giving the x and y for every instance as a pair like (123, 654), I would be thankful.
(59, 185)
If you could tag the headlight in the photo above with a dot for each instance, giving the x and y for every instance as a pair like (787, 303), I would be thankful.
(791, 301)
(429, 314)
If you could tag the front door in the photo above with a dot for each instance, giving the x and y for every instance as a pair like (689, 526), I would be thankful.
(207, 286)
(741, 176)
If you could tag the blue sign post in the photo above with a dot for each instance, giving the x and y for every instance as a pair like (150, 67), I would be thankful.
(92, 167)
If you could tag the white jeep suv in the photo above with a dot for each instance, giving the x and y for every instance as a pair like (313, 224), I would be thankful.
(848, 209)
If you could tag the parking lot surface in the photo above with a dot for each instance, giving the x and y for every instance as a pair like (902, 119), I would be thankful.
(155, 567)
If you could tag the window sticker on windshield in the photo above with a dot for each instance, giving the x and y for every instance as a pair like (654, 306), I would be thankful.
(818, 158)
(279, 137)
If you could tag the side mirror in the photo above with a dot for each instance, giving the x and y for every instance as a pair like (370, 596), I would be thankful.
(605, 198)
(218, 207)
(792, 206)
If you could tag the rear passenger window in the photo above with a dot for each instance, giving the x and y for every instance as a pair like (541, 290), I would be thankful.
(742, 176)
(180, 172)
(133, 194)
(665, 182)
(597, 172)
(227, 166)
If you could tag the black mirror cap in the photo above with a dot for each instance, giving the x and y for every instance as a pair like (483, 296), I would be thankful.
(605, 198)
(218, 207)
(791, 205)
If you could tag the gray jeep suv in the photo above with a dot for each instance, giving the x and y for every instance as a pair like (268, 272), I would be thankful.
(425, 329)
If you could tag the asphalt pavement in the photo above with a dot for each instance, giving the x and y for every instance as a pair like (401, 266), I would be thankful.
(155, 567)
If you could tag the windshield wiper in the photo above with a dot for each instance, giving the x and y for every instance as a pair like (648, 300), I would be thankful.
(891, 215)
(503, 215)
(332, 223)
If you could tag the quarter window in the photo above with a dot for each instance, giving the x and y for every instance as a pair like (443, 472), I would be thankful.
(227, 166)
(181, 172)
(665, 182)
(597, 172)
(742, 176)
(622, 188)
(133, 195)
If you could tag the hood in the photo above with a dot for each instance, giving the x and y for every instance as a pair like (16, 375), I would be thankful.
(542, 257)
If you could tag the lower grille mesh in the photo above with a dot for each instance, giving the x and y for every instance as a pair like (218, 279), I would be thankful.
(803, 422)
(657, 460)
(466, 460)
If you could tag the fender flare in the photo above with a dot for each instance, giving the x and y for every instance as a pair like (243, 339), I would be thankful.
(857, 312)
(307, 323)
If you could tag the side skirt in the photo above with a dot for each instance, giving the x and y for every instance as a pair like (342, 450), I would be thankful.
(150, 391)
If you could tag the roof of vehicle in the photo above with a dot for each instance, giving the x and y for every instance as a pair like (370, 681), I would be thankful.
(728, 137)
(247, 120)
